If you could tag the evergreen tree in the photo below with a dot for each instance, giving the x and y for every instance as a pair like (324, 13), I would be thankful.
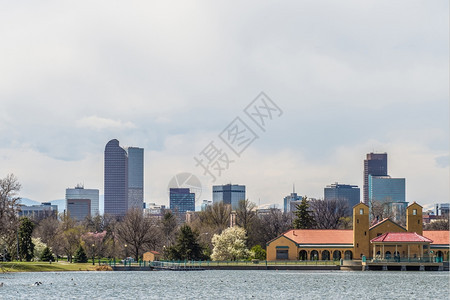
(186, 247)
(26, 246)
(303, 218)
(80, 255)
(47, 255)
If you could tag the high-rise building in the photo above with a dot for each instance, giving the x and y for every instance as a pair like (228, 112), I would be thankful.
(229, 194)
(375, 164)
(205, 204)
(349, 193)
(77, 193)
(391, 192)
(78, 209)
(135, 177)
(291, 201)
(124, 178)
(181, 200)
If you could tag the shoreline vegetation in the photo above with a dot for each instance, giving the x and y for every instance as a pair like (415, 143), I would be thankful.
(15, 266)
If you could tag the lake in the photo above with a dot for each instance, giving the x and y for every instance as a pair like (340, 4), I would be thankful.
(219, 284)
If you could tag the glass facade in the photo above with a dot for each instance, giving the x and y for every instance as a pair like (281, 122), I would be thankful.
(349, 193)
(135, 177)
(116, 179)
(79, 192)
(181, 200)
(79, 209)
(290, 202)
(229, 194)
(391, 192)
(375, 164)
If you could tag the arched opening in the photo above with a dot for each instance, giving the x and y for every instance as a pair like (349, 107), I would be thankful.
(314, 255)
(439, 256)
(348, 255)
(397, 256)
(387, 255)
(325, 255)
(336, 255)
(303, 255)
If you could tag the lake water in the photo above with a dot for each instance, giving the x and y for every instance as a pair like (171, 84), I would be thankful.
(216, 284)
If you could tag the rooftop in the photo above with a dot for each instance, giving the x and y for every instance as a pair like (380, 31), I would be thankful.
(401, 237)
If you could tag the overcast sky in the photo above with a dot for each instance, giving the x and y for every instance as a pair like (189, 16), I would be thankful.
(350, 78)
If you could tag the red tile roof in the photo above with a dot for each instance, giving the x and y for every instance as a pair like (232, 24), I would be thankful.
(155, 252)
(401, 237)
(320, 236)
(439, 237)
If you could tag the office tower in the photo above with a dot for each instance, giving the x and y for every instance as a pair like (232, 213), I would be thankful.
(135, 177)
(77, 193)
(391, 192)
(229, 194)
(39, 212)
(442, 209)
(124, 178)
(205, 204)
(116, 179)
(181, 200)
(375, 164)
(291, 201)
(348, 193)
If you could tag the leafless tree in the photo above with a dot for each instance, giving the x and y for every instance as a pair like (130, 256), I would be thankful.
(245, 214)
(139, 233)
(328, 213)
(438, 225)
(271, 225)
(9, 208)
(216, 217)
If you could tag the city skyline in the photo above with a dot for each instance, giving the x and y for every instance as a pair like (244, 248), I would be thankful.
(71, 82)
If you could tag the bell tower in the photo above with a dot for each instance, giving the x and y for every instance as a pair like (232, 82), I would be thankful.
(361, 231)
(414, 219)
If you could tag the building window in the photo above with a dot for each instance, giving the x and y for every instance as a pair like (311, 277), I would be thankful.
(361, 211)
(418, 222)
(365, 232)
(357, 245)
(357, 221)
(282, 254)
(414, 212)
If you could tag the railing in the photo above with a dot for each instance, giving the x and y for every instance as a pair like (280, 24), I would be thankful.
(216, 263)
(406, 259)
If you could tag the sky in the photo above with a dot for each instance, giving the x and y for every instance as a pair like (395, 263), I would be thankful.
(348, 78)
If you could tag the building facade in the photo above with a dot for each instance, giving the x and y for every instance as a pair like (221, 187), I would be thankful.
(135, 177)
(229, 194)
(363, 240)
(290, 202)
(78, 209)
(374, 164)
(348, 193)
(39, 212)
(181, 200)
(79, 192)
(124, 178)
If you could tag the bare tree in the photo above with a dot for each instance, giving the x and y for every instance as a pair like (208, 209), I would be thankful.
(438, 225)
(139, 233)
(328, 214)
(245, 214)
(271, 225)
(216, 217)
(9, 208)
(379, 211)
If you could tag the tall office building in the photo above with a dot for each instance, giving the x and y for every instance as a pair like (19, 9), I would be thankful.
(291, 201)
(90, 196)
(375, 164)
(135, 177)
(349, 193)
(229, 194)
(124, 178)
(181, 200)
(391, 192)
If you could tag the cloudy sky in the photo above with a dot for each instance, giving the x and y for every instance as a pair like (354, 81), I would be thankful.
(350, 78)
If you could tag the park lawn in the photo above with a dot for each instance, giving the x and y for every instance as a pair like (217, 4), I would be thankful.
(44, 267)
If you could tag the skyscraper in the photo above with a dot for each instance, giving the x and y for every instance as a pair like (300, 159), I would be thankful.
(346, 192)
(90, 202)
(135, 177)
(229, 194)
(291, 201)
(181, 200)
(124, 178)
(375, 164)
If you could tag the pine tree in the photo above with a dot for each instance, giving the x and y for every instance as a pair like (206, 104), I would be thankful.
(303, 217)
(26, 246)
(186, 247)
(80, 255)
(47, 255)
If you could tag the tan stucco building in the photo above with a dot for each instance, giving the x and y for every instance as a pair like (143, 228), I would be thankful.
(329, 244)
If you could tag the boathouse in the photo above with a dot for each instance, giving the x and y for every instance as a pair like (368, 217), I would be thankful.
(385, 240)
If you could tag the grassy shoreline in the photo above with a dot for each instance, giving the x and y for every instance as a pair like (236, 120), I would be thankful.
(7, 267)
